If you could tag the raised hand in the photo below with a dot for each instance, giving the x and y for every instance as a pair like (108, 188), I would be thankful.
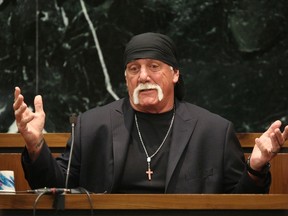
(30, 124)
(268, 145)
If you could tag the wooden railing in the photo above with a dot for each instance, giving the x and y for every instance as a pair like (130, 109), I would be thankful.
(145, 204)
(11, 146)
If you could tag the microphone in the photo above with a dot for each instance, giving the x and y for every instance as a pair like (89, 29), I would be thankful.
(49, 190)
(59, 201)
(72, 120)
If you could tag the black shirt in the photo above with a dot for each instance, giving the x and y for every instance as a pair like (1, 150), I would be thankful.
(153, 128)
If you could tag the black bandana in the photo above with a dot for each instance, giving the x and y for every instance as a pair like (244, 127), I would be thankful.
(151, 45)
(154, 46)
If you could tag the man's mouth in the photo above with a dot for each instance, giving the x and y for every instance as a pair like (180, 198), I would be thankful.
(147, 89)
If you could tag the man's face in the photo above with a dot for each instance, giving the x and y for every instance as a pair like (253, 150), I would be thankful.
(151, 85)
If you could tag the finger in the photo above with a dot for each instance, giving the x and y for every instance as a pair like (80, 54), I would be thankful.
(18, 102)
(18, 98)
(22, 125)
(274, 125)
(17, 92)
(285, 133)
(38, 103)
(275, 148)
(20, 112)
(279, 137)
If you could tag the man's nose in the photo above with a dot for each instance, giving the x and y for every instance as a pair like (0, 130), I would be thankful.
(143, 73)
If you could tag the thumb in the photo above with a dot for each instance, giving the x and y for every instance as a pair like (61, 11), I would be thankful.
(38, 103)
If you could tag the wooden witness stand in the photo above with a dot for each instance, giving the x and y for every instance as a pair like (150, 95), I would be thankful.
(275, 203)
(150, 204)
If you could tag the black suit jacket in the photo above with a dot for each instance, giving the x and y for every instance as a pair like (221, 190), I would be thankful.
(205, 154)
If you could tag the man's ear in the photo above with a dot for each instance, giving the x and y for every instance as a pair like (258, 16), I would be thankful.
(176, 75)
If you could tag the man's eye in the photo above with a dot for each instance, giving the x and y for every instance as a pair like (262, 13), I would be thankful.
(133, 69)
(154, 67)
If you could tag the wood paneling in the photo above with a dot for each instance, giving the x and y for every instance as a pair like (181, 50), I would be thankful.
(12, 161)
(8, 140)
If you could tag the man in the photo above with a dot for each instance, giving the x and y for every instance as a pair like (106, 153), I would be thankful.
(151, 141)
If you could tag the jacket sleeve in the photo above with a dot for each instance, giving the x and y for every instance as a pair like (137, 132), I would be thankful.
(235, 165)
(44, 171)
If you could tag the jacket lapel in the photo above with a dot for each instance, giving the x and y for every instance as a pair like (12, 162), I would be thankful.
(182, 130)
(122, 119)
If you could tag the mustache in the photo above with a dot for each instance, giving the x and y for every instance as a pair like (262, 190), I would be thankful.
(146, 86)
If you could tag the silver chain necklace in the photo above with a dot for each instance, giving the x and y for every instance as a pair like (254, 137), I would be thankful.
(149, 172)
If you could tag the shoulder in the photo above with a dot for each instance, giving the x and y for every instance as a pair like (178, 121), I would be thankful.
(102, 114)
(105, 109)
(202, 116)
(197, 111)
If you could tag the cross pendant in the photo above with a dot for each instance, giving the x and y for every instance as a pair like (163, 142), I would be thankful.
(149, 172)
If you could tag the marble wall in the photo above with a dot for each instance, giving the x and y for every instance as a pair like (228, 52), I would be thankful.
(233, 55)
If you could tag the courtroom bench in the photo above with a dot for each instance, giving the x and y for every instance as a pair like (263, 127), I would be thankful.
(11, 146)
